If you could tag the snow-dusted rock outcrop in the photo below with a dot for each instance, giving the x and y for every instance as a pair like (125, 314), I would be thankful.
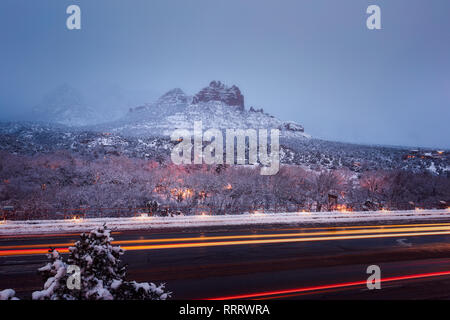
(217, 91)
(217, 106)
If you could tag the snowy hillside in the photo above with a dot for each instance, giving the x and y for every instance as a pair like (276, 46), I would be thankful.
(65, 105)
(32, 138)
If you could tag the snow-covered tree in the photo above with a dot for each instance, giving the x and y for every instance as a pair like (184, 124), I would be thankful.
(55, 277)
(99, 263)
(8, 294)
(102, 274)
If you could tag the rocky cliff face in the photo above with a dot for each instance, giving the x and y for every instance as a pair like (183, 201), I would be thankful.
(292, 126)
(217, 91)
(217, 106)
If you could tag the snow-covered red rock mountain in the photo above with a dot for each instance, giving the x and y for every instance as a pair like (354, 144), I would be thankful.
(217, 106)
(144, 132)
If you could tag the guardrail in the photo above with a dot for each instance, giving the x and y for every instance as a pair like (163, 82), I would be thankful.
(161, 210)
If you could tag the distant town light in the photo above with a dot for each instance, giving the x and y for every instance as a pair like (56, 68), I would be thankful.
(258, 213)
(143, 216)
(343, 208)
(204, 215)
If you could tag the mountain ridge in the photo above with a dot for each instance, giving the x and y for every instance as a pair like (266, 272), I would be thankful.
(217, 106)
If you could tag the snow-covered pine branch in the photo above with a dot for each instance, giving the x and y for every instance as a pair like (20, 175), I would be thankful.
(102, 274)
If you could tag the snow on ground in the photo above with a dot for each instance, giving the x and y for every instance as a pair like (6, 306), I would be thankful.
(140, 223)
(8, 294)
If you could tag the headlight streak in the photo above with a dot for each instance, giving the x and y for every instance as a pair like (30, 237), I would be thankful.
(260, 239)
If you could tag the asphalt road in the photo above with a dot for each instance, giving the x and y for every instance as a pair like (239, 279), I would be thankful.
(264, 262)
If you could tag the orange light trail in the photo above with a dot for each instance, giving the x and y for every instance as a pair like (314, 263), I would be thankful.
(230, 243)
(329, 286)
(269, 241)
(443, 227)
(371, 227)
(56, 235)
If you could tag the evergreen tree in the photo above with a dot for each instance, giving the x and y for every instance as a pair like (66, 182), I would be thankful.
(102, 274)
(55, 277)
(99, 263)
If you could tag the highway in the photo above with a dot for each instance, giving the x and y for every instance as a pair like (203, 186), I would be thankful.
(263, 262)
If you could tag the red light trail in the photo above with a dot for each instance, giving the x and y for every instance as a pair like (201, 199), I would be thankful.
(329, 286)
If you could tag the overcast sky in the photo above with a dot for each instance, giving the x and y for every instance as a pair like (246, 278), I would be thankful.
(314, 62)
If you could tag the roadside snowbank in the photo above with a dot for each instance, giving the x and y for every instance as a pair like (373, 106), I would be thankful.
(140, 223)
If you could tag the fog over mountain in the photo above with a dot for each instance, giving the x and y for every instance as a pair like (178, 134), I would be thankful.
(216, 105)
(68, 105)
(306, 61)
